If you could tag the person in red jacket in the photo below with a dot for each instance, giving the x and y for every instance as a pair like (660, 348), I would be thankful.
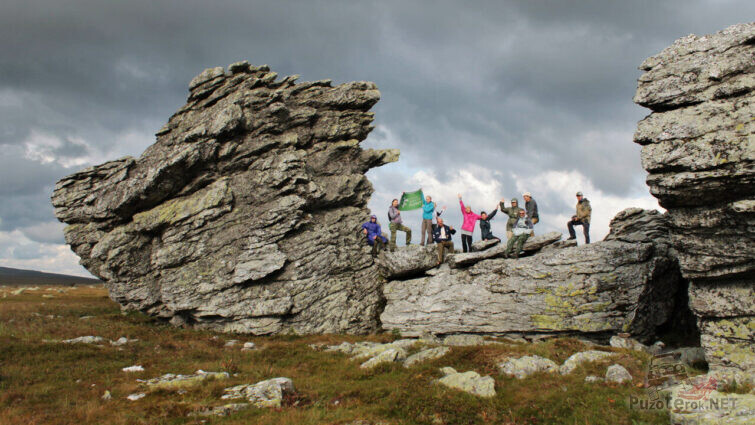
(467, 228)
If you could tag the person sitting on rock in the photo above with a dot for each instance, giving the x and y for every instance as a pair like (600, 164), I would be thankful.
(521, 230)
(442, 237)
(485, 231)
(531, 207)
(584, 211)
(374, 235)
(513, 213)
(396, 224)
(428, 213)
(467, 227)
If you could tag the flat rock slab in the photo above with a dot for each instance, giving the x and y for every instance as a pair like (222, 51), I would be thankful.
(576, 359)
(525, 366)
(267, 393)
(412, 260)
(470, 382)
(483, 245)
(427, 354)
(172, 382)
(538, 242)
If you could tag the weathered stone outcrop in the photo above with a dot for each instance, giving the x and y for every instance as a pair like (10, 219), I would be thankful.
(698, 146)
(243, 216)
(623, 284)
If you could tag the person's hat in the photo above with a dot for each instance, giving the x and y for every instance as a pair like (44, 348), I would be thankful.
(579, 193)
(514, 200)
(373, 216)
(527, 194)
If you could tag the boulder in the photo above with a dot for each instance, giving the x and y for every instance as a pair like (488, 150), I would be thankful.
(388, 356)
(463, 340)
(628, 343)
(470, 382)
(538, 242)
(267, 393)
(407, 261)
(85, 340)
(617, 374)
(426, 354)
(525, 366)
(698, 146)
(243, 216)
(605, 288)
(173, 382)
(577, 359)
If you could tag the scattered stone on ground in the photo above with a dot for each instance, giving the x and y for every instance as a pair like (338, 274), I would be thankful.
(525, 366)
(136, 368)
(426, 354)
(84, 340)
(106, 396)
(267, 393)
(85, 317)
(388, 356)
(656, 348)
(223, 410)
(731, 408)
(248, 346)
(691, 356)
(122, 341)
(577, 359)
(461, 340)
(136, 396)
(231, 343)
(628, 343)
(618, 374)
(470, 382)
(173, 382)
(365, 349)
(593, 379)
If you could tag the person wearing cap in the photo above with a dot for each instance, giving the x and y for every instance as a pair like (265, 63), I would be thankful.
(582, 218)
(396, 224)
(530, 205)
(374, 235)
(513, 213)
(521, 230)
(442, 237)
(428, 213)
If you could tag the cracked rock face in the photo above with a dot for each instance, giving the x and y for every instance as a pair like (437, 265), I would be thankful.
(243, 215)
(625, 283)
(698, 146)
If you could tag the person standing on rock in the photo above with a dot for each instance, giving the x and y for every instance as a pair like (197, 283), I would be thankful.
(374, 235)
(428, 213)
(396, 224)
(521, 230)
(442, 237)
(513, 213)
(584, 211)
(531, 207)
(485, 225)
(467, 228)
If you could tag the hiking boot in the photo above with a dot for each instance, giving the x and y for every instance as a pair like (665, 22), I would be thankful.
(571, 238)
(516, 255)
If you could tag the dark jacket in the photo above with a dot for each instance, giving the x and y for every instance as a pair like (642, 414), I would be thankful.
(485, 226)
(436, 233)
(531, 208)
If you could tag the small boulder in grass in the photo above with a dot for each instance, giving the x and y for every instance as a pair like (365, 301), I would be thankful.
(106, 396)
(248, 346)
(617, 374)
(137, 368)
(231, 343)
(136, 396)
(527, 365)
(85, 340)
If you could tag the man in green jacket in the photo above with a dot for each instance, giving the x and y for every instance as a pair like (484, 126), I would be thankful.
(513, 213)
(584, 211)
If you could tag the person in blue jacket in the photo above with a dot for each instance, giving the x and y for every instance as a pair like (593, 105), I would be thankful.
(428, 214)
(374, 235)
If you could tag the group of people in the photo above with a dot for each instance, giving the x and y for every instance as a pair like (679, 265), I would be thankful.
(519, 227)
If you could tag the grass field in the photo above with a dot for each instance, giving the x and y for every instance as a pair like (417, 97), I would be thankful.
(43, 382)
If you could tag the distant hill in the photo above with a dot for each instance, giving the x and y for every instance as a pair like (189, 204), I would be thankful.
(19, 277)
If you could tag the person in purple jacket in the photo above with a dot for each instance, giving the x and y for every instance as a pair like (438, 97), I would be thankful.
(374, 235)
(467, 228)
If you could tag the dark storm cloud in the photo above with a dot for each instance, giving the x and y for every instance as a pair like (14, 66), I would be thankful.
(518, 87)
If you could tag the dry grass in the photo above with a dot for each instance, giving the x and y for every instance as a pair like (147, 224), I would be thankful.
(53, 383)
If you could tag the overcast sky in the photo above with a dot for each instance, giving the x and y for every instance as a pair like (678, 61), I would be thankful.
(486, 98)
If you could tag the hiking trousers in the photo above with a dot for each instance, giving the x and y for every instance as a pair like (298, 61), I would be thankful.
(444, 245)
(427, 229)
(585, 229)
(395, 227)
(517, 242)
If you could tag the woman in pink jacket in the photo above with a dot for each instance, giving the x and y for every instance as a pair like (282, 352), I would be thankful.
(467, 228)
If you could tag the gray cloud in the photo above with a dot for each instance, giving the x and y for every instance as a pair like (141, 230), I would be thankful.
(518, 87)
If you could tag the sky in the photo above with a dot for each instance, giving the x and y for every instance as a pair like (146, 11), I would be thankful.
(484, 98)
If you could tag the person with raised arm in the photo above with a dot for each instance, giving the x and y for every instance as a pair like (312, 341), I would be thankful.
(467, 228)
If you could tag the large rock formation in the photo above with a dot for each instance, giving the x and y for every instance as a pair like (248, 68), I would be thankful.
(243, 216)
(698, 146)
(625, 283)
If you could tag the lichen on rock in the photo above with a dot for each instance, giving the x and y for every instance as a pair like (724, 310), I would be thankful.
(243, 216)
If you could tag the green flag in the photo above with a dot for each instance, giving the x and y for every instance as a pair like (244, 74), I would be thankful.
(411, 201)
